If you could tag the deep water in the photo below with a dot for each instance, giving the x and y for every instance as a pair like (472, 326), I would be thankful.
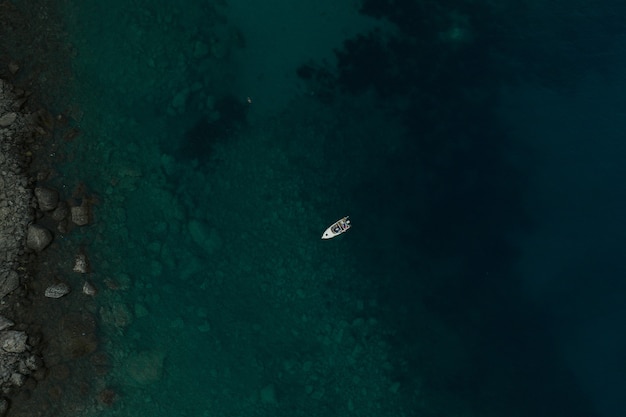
(477, 148)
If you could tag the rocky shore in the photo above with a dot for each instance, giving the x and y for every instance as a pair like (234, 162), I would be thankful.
(15, 197)
(19, 360)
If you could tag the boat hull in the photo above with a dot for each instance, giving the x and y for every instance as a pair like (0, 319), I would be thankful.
(337, 228)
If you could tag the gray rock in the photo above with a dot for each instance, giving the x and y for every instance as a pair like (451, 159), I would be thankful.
(13, 341)
(38, 238)
(18, 105)
(8, 119)
(9, 281)
(81, 264)
(16, 137)
(17, 379)
(5, 323)
(32, 363)
(89, 289)
(80, 215)
(57, 290)
(47, 198)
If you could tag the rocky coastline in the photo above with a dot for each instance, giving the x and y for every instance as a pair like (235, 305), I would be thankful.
(48, 347)
(19, 355)
(30, 215)
(52, 360)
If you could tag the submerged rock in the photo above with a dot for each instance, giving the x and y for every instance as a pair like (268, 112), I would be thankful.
(80, 215)
(47, 198)
(14, 67)
(204, 236)
(61, 212)
(77, 336)
(268, 394)
(57, 290)
(89, 289)
(145, 367)
(38, 238)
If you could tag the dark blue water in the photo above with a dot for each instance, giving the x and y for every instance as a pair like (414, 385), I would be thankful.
(477, 148)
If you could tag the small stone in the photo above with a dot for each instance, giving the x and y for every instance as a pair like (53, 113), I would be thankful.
(47, 198)
(33, 363)
(17, 379)
(9, 281)
(81, 264)
(8, 119)
(38, 238)
(19, 105)
(57, 290)
(80, 215)
(89, 289)
(5, 323)
(13, 341)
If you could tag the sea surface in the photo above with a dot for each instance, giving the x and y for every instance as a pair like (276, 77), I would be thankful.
(478, 148)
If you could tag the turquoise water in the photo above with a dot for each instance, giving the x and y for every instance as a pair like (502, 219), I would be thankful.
(473, 146)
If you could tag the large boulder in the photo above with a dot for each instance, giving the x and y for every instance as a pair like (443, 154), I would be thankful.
(38, 237)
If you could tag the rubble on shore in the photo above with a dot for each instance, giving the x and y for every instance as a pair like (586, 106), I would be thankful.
(19, 360)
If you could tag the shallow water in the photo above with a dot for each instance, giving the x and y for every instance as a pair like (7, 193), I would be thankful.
(218, 297)
(216, 142)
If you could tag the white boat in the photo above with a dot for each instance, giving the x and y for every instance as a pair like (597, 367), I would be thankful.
(337, 228)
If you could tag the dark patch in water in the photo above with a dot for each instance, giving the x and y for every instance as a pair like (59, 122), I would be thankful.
(199, 141)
